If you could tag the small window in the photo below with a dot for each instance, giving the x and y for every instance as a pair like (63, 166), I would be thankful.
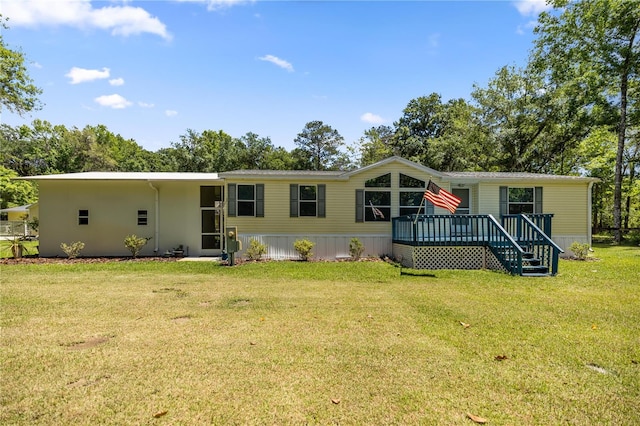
(383, 181)
(142, 217)
(83, 217)
(246, 200)
(521, 200)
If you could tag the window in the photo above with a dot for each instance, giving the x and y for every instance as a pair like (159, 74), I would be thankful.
(373, 206)
(410, 199)
(307, 200)
(246, 200)
(383, 181)
(142, 217)
(83, 217)
(210, 196)
(520, 200)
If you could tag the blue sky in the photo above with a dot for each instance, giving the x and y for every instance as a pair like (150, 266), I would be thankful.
(150, 70)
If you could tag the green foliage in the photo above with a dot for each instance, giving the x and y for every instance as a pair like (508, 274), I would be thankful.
(256, 249)
(15, 192)
(304, 247)
(135, 243)
(356, 248)
(15, 246)
(320, 144)
(18, 94)
(580, 250)
(72, 250)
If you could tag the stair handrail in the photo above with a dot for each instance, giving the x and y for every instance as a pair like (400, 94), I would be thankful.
(538, 235)
(512, 245)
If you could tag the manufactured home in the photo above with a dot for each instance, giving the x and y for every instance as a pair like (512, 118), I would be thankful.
(381, 204)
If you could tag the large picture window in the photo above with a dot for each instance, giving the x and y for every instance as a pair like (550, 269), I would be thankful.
(377, 206)
(411, 194)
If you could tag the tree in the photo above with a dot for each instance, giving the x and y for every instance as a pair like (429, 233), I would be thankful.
(421, 122)
(320, 145)
(534, 126)
(15, 192)
(375, 145)
(594, 47)
(18, 94)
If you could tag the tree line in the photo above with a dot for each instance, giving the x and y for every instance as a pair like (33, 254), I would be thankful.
(572, 109)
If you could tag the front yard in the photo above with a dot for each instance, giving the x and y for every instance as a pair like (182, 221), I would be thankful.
(319, 343)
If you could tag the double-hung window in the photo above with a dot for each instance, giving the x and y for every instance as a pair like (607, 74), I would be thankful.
(142, 217)
(307, 200)
(246, 200)
(520, 200)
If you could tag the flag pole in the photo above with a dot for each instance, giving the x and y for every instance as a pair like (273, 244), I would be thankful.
(419, 208)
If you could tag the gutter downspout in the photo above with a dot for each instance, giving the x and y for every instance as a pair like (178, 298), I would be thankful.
(157, 219)
(590, 213)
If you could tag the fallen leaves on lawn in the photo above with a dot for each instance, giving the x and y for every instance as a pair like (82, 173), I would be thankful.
(464, 324)
(160, 414)
(501, 357)
(335, 400)
(476, 419)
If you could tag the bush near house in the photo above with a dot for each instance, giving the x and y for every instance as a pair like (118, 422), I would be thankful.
(256, 249)
(304, 247)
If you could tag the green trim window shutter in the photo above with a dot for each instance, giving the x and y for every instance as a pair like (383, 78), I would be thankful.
(504, 198)
(293, 200)
(359, 205)
(231, 202)
(322, 203)
(259, 200)
(537, 208)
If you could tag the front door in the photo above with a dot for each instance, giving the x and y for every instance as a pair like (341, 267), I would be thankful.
(211, 202)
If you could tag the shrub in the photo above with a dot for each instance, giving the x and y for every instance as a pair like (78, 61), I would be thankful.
(72, 250)
(303, 247)
(580, 250)
(135, 243)
(356, 248)
(256, 249)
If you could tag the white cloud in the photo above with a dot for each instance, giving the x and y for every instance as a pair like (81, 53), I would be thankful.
(145, 105)
(372, 118)
(531, 7)
(117, 81)
(434, 40)
(218, 4)
(113, 101)
(170, 113)
(82, 75)
(121, 20)
(277, 61)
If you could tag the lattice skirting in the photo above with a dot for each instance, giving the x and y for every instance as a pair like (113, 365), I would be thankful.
(450, 257)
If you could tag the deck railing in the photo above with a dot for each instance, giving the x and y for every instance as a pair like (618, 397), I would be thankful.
(527, 231)
(481, 230)
(514, 223)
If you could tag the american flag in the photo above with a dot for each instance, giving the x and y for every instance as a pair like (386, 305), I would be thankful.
(441, 198)
(376, 212)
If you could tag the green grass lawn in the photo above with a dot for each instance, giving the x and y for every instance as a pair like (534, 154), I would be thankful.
(319, 343)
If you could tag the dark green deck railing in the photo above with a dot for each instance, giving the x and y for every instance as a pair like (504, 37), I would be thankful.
(530, 231)
(478, 230)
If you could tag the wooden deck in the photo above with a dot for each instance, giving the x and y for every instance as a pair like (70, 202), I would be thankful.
(518, 242)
